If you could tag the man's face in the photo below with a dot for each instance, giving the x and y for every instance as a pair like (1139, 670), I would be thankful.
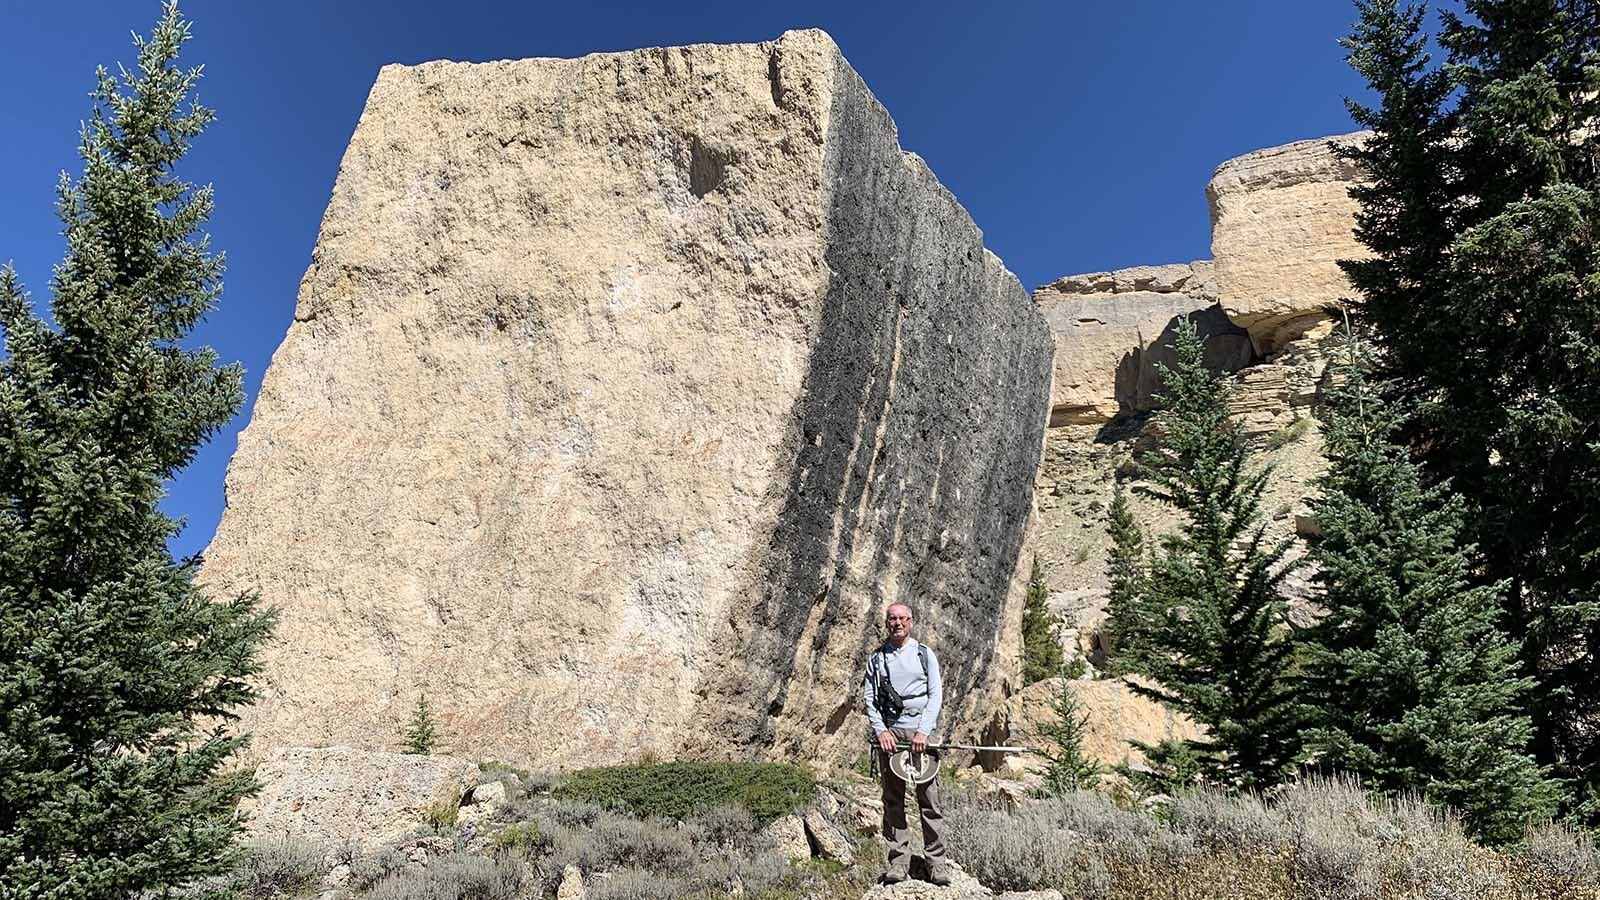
(897, 621)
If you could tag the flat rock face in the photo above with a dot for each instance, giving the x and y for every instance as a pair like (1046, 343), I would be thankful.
(1281, 219)
(623, 393)
(331, 796)
(1111, 329)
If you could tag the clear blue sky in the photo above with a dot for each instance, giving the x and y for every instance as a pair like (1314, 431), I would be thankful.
(1080, 135)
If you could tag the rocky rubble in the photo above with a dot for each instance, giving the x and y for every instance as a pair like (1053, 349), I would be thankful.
(962, 887)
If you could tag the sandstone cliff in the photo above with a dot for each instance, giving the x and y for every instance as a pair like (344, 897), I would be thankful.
(1281, 219)
(622, 395)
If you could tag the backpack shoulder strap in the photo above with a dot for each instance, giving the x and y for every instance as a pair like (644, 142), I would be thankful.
(922, 655)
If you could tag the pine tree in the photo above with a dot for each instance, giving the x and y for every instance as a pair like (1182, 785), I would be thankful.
(1070, 769)
(1409, 682)
(1041, 646)
(1482, 211)
(119, 677)
(1213, 637)
(422, 733)
(1126, 614)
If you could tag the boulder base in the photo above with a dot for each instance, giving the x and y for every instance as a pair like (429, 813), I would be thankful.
(334, 796)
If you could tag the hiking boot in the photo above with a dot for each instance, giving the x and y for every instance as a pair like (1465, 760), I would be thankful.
(938, 872)
(898, 870)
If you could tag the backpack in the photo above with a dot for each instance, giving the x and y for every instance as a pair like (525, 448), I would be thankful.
(889, 702)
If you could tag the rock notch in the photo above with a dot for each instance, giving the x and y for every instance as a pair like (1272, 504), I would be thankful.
(623, 393)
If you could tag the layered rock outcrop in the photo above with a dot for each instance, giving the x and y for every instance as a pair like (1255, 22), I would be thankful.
(1112, 329)
(1281, 220)
(623, 393)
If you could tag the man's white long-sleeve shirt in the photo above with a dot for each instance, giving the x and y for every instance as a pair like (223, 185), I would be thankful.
(904, 670)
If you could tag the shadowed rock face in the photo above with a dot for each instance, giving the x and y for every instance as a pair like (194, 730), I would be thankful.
(623, 394)
(1112, 330)
(919, 432)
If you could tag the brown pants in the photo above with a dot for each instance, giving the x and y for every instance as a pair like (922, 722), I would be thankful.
(895, 832)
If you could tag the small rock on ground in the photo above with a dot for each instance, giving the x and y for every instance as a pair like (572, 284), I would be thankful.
(571, 885)
(829, 840)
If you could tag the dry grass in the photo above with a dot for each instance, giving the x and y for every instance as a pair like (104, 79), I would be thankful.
(1323, 840)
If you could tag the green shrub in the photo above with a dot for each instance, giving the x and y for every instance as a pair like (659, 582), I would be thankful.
(1233, 824)
(1288, 434)
(368, 869)
(1558, 862)
(1316, 840)
(652, 844)
(677, 790)
(635, 884)
(726, 825)
(526, 838)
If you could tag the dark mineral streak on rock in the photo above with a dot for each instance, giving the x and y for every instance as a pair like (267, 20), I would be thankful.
(918, 432)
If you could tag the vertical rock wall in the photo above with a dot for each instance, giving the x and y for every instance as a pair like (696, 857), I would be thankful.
(623, 393)
(918, 432)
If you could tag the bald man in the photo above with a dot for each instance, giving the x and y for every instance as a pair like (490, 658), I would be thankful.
(911, 670)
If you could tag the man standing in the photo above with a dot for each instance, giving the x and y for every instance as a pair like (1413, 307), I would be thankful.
(903, 694)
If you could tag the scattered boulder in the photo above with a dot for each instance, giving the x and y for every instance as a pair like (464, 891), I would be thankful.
(829, 841)
(1012, 789)
(571, 884)
(337, 795)
(788, 836)
(426, 848)
(492, 793)
(338, 877)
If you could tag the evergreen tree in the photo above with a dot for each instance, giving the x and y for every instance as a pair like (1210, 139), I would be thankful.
(422, 733)
(118, 675)
(1172, 768)
(1409, 682)
(1213, 637)
(1041, 647)
(1483, 293)
(1070, 769)
(1126, 614)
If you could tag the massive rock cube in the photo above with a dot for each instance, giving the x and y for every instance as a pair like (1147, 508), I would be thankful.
(623, 394)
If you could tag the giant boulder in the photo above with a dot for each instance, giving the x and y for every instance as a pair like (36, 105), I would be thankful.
(621, 396)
